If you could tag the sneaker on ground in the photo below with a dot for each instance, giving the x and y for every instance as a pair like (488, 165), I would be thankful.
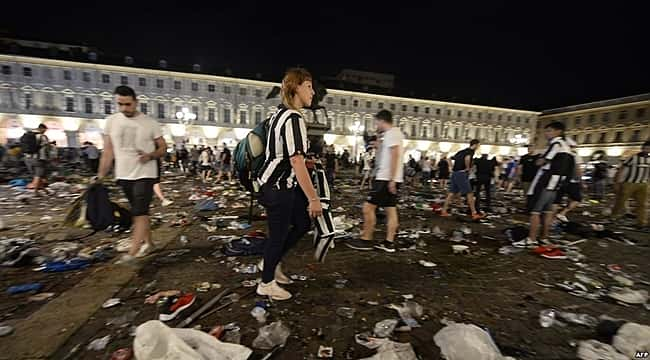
(562, 218)
(167, 202)
(387, 246)
(273, 290)
(126, 259)
(477, 216)
(175, 305)
(525, 243)
(145, 250)
(444, 213)
(554, 254)
(358, 244)
(280, 277)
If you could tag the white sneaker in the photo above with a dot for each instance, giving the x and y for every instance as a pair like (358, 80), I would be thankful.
(562, 218)
(273, 290)
(280, 277)
(166, 202)
(126, 260)
(525, 243)
(145, 250)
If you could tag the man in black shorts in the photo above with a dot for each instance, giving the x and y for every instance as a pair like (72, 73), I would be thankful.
(135, 142)
(389, 175)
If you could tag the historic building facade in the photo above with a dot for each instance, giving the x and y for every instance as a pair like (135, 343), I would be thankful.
(615, 127)
(73, 98)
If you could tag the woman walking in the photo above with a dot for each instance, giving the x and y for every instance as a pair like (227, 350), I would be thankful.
(287, 191)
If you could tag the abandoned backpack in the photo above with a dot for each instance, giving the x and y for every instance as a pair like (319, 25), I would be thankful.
(250, 153)
(102, 214)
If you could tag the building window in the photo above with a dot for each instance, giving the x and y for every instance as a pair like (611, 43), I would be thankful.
(435, 131)
(161, 110)
(416, 109)
(258, 93)
(242, 117)
(67, 75)
(510, 118)
(49, 100)
(69, 104)
(392, 107)
(144, 108)
(527, 120)
(195, 86)
(124, 80)
(243, 92)
(6, 70)
(88, 105)
(107, 107)
(414, 130)
(226, 116)
(368, 104)
(640, 113)
(258, 117)
(425, 132)
(489, 116)
(380, 105)
(455, 133)
(636, 136)
(605, 117)
(211, 88)
(438, 111)
(496, 137)
(28, 101)
(177, 85)
(469, 114)
(195, 110)
(403, 107)
(480, 115)
(177, 109)
(622, 115)
(343, 102)
(211, 114)
(426, 110)
(142, 81)
(499, 117)
(226, 90)
(85, 76)
(578, 120)
(330, 100)
(106, 78)
(355, 103)
(518, 119)
(27, 71)
(160, 83)
(603, 137)
(619, 137)
(588, 139)
(459, 113)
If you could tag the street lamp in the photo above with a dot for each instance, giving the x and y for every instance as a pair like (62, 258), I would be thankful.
(356, 128)
(518, 140)
(185, 119)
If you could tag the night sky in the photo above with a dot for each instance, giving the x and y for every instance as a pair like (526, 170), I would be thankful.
(510, 54)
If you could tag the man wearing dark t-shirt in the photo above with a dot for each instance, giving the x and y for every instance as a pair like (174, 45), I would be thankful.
(225, 158)
(528, 168)
(459, 184)
(484, 174)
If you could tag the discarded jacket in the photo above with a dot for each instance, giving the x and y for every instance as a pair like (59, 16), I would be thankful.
(248, 245)
(206, 205)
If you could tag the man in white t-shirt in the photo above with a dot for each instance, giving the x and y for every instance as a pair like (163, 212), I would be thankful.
(388, 178)
(135, 142)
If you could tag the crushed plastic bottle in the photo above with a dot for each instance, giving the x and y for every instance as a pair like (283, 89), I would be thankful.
(271, 335)
(385, 328)
(259, 312)
(345, 312)
(99, 344)
(547, 318)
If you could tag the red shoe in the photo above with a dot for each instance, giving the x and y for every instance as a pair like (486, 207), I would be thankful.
(175, 305)
(543, 249)
(554, 254)
(444, 213)
(477, 216)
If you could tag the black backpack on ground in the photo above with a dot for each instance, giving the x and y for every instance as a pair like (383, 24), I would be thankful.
(101, 213)
(29, 143)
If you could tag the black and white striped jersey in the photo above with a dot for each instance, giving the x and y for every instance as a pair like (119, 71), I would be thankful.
(560, 165)
(287, 137)
(637, 169)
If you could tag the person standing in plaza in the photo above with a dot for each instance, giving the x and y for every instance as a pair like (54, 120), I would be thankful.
(556, 165)
(389, 176)
(443, 171)
(631, 181)
(205, 164)
(92, 154)
(36, 147)
(484, 177)
(460, 185)
(527, 168)
(573, 187)
(368, 163)
(425, 165)
(287, 191)
(225, 158)
(194, 157)
(135, 142)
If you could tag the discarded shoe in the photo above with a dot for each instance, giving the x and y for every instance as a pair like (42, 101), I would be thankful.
(175, 305)
(554, 254)
(628, 295)
(525, 243)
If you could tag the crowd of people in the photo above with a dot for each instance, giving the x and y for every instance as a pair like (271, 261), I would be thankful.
(136, 152)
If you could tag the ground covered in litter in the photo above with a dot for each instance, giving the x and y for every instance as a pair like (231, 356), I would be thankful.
(488, 285)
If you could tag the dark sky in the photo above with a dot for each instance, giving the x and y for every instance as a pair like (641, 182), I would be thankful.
(511, 54)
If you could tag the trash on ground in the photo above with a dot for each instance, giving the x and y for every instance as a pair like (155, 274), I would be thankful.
(111, 302)
(155, 297)
(272, 335)
(325, 352)
(427, 264)
(99, 344)
(390, 350)
(345, 312)
(466, 341)
(385, 328)
(409, 311)
(6, 330)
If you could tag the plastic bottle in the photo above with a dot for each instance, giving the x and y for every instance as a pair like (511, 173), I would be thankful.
(18, 289)
(547, 318)
(259, 313)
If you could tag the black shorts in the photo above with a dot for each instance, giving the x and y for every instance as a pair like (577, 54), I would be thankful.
(139, 192)
(380, 196)
(206, 167)
(571, 190)
(40, 168)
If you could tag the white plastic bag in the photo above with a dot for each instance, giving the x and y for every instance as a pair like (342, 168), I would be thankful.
(466, 341)
(271, 336)
(156, 341)
(390, 350)
(632, 337)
